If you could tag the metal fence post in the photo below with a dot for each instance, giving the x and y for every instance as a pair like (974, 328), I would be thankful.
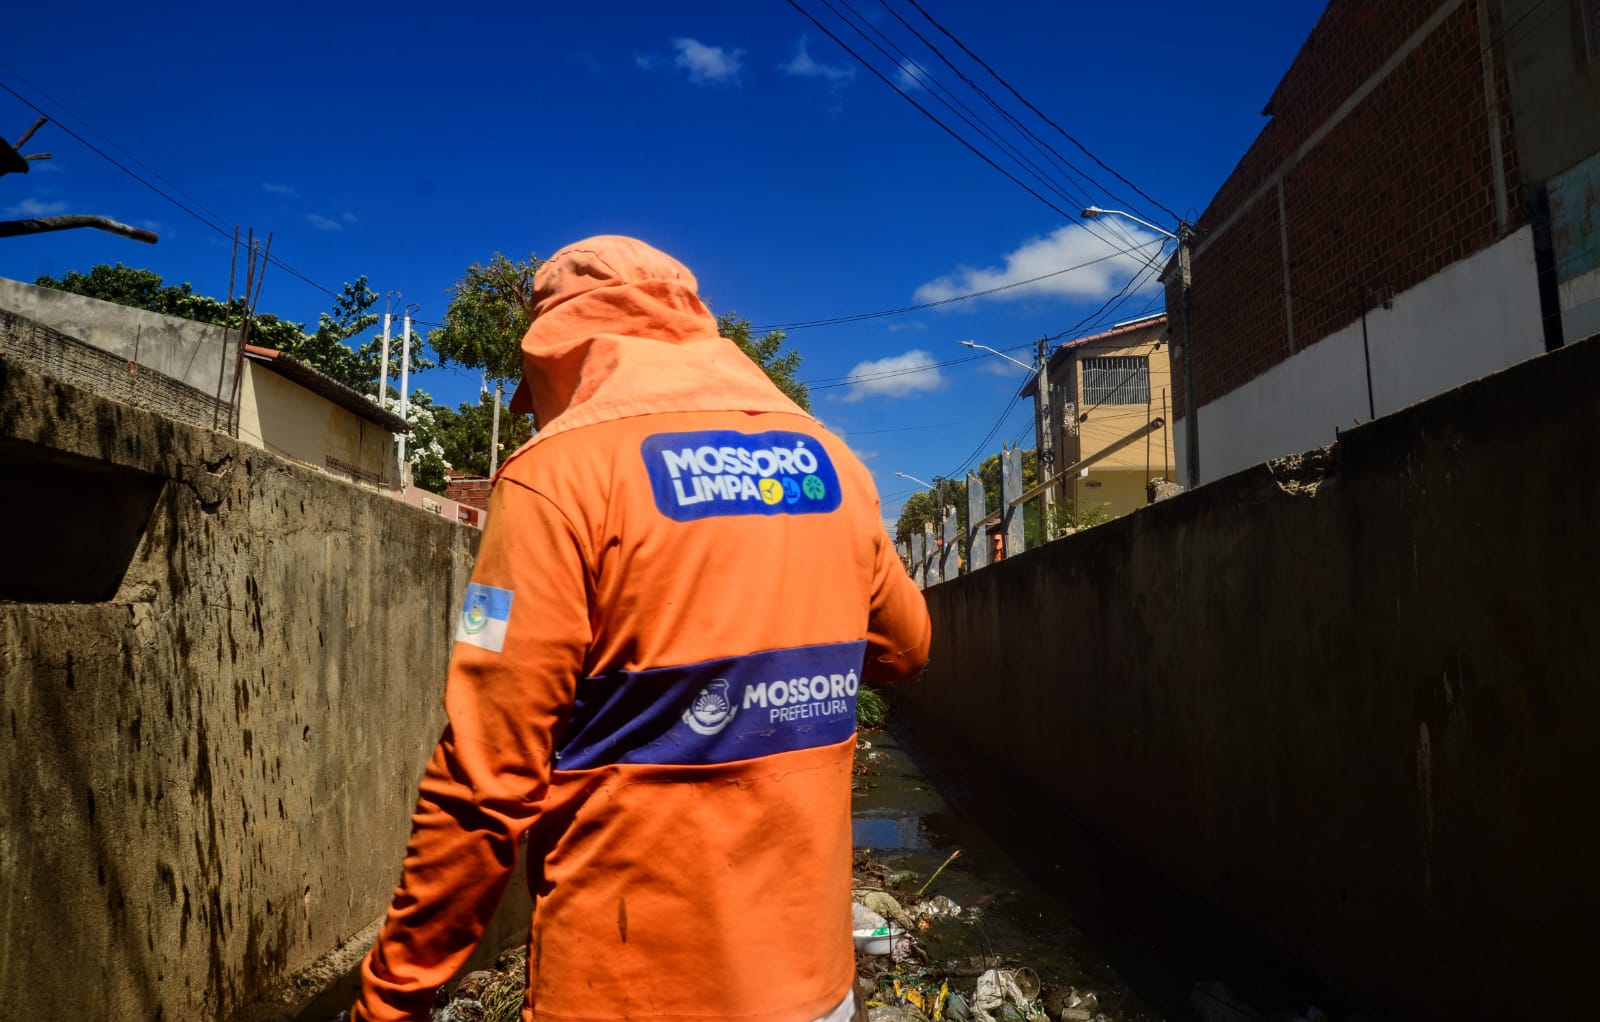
(949, 554)
(977, 535)
(918, 563)
(1010, 490)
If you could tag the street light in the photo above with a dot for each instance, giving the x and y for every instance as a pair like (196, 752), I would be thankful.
(1185, 240)
(1008, 358)
(1090, 212)
(914, 479)
(1044, 427)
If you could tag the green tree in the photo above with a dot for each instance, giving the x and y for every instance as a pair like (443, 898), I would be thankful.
(767, 352)
(326, 349)
(922, 506)
(463, 434)
(490, 307)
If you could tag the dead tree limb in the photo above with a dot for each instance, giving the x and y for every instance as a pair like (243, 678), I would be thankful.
(41, 225)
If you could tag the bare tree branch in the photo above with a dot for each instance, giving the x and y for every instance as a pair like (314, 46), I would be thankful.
(41, 225)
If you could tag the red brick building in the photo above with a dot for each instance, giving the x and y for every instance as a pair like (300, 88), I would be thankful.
(472, 491)
(1380, 241)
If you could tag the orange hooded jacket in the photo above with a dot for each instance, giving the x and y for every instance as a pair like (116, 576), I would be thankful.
(682, 582)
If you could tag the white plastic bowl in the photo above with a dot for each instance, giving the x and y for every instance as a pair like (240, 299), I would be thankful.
(879, 941)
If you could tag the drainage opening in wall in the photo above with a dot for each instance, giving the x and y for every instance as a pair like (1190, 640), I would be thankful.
(71, 524)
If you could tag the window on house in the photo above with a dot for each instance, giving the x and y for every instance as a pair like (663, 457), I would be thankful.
(1117, 380)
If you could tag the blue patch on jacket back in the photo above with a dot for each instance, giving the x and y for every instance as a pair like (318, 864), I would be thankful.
(710, 473)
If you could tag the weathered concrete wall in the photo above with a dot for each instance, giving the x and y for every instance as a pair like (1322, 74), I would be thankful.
(211, 758)
(196, 354)
(1357, 712)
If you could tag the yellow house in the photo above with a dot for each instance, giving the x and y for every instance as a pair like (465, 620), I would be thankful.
(1107, 393)
(291, 409)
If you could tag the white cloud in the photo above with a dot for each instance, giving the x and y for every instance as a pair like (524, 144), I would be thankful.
(803, 65)
(895, 376)
(707, 64)
(910, 75)
(348, 217)
(31, 207)
(646, 61)
(287, 191)
(322, 223)
(1069, 246)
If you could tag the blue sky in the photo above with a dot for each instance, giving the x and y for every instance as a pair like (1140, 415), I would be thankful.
(405, 142)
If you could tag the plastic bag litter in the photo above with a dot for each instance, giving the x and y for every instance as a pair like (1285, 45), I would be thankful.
(938, 907)
(1068, 1005)
(884, 904)
(998, 988)
(863, 918)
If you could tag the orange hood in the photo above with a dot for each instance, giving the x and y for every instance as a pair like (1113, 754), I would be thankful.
(618, 330)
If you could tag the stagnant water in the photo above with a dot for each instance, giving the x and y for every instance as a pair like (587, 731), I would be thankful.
(1060, 900)
(1049, 895)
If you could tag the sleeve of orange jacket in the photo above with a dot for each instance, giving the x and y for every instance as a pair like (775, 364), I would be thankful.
(898, 627)
(483, 785)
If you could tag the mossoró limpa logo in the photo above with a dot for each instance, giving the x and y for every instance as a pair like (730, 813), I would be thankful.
(722, 472)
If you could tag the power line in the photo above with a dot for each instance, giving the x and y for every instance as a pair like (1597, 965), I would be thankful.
(274, 260)
(1039, 145)
(63, 108)
(920, 108)
(996, 76)
(989, 133)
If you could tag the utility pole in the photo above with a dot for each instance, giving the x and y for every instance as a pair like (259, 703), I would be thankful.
(1191, 431)
(405, 369)
(383, 361)
(494, 433)
(1046, 438)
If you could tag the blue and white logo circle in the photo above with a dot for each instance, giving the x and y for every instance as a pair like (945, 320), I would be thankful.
(711, 710)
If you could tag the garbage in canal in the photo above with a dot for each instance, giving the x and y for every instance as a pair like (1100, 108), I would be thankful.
(912, 985)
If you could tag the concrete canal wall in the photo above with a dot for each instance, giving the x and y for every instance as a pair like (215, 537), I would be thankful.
(1350, 698)
(219, 681)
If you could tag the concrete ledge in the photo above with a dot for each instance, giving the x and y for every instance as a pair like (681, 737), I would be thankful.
(209, 776)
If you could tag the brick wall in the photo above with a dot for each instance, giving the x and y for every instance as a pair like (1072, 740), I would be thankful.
(1395, 189)
(69, 360)
(473, 492)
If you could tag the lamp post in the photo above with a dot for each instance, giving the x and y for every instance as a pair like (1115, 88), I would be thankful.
(937, 486)
(1044, 429)
(1185, 240)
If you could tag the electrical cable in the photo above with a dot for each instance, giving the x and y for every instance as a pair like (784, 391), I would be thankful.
(926, 80)
(1039, 145)
(1084, 149)
(922, 109)
(274, 260)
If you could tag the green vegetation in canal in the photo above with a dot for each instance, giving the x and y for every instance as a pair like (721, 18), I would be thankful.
(872, 710)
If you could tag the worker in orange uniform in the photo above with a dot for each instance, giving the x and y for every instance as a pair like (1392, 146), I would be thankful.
(682, 582)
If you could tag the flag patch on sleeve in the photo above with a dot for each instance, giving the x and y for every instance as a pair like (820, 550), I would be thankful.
(484, 616)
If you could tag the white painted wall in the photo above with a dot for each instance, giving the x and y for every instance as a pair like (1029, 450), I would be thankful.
(1474, 318)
